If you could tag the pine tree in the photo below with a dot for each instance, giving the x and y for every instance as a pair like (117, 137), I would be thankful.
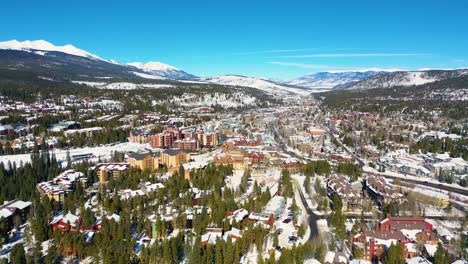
(441, 255)
(18, 254)
(276, 239)
(307, 184)
(395, 255)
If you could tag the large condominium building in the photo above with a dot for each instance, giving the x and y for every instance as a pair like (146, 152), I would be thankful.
(138, 136)
(65, 182)
(144, 161)
(174, 157)
(110, 170)
(207, 139)
(186, 144)
(14, 212)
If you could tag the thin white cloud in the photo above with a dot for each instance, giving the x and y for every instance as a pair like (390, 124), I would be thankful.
(353, 55)
(272, 51)
(301, 65)
(333, 69)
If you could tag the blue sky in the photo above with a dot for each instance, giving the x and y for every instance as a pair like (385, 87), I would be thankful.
(275, 39)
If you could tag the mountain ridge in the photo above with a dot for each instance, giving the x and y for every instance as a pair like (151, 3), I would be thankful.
(405, 79)
(331, 80)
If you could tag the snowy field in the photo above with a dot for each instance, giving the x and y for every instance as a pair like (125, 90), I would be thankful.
(102, 153)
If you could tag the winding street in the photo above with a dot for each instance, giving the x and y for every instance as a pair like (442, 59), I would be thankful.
(312, 219)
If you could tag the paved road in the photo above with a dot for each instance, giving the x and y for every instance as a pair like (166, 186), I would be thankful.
(312, 216)
(444, 217)
(463, 191)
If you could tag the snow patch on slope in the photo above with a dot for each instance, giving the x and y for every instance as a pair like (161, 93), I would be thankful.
(330, 80)
(261, 84)
(149, 76)
(412, 78)
(123, 85)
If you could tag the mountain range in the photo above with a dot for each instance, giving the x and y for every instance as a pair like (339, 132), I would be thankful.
(405, 79)
(332, 80)
(69, 63)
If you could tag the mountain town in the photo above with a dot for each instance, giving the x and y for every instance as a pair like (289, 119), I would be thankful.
(285, 178)
(249, 132)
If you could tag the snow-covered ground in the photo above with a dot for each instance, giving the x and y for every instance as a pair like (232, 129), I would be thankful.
(123, 85)
(300, 180)
(261, 84)
(234, 181)
(16, 238)
(322, 226)
(148, 76)
(234, 100)
(450, 229)
(99, 153)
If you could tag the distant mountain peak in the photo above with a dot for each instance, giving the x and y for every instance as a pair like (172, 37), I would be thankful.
(367, 70)
(161, 69)
(42, 56)
(153, 66)
(43, 45)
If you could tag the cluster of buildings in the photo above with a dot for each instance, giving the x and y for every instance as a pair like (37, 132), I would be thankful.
(339, 185)
(58, 187)
(145, 189)
(171, 158)
(242, 153)
(410, 232)
(429, 165)
(75, 223)
(187, 138)
(380, 191)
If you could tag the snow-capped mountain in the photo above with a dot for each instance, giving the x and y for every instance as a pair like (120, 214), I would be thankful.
(406, 78)
(261, 84)
(161, 69)
(332, 80)
(37, 46)
(68, 62)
